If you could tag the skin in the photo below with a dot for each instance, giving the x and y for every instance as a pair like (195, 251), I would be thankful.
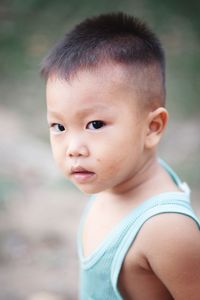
(115, 158)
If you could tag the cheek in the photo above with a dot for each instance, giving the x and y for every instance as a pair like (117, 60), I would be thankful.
(111, 163)
(120, 152)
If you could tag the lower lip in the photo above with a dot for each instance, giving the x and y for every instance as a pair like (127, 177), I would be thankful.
(82, 177)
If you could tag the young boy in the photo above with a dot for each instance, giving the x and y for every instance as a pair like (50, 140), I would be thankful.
(139, 237)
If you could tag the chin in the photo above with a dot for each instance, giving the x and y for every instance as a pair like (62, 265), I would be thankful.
(89, 190)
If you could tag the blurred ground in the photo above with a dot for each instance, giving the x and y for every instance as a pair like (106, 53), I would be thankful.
(39, 212)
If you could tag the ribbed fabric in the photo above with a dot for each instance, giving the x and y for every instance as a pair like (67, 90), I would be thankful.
(100, 270)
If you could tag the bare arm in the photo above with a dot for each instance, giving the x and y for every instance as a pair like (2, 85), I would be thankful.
(173, 253)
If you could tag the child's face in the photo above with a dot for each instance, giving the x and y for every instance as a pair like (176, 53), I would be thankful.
(97, 130)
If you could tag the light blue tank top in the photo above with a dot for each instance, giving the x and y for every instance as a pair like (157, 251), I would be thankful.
(99, 271)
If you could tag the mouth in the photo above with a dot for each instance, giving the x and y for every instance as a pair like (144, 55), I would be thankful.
(81, 175)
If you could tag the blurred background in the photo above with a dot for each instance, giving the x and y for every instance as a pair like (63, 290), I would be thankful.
(39, 210)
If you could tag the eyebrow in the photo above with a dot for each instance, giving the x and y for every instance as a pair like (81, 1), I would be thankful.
(83, 112)
(93, 109)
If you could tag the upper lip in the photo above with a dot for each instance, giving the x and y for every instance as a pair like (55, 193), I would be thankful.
(79, 169)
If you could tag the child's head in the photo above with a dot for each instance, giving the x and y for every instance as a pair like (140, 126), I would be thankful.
(105, 100)
(111, 39)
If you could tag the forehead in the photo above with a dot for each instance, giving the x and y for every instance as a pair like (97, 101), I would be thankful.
(99, 88)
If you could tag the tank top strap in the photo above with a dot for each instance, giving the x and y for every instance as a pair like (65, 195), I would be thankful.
(183, 186)
(155, 206)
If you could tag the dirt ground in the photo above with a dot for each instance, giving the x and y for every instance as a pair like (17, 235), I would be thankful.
(39, 215)
(38, 246)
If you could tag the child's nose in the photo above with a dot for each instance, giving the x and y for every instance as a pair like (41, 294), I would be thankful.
(76, 148)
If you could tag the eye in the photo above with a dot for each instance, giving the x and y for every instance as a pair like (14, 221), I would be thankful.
(94, 125)
(57, 127)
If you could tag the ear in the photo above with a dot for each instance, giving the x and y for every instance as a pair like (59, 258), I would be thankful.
(157, 121)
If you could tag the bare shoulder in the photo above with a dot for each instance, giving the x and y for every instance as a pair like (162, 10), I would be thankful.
(171, 245)
(171, 226)
(174, 227)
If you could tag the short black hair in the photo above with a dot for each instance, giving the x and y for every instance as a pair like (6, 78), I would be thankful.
(113, 37)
